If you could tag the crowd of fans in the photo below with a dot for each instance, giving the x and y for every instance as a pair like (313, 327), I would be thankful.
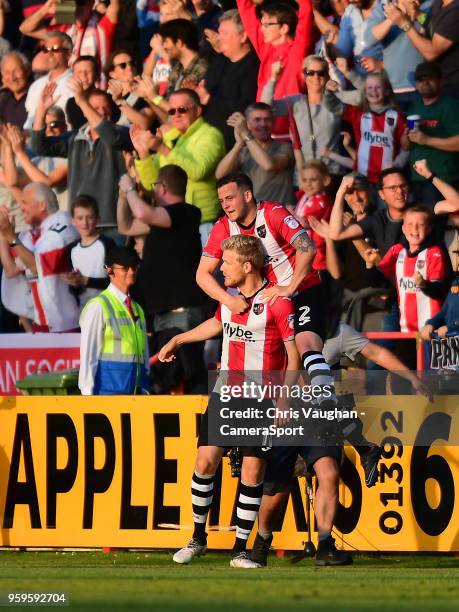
(116, 126)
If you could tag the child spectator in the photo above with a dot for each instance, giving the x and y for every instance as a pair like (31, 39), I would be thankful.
(314, 179)
(88, 277)
(420, 269)
(279, 35)
(446, 321)
(377, 125)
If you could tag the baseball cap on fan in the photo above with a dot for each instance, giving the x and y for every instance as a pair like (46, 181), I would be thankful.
(360, 181)
(427, 69)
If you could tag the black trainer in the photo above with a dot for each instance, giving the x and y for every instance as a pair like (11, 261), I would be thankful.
(369, 462)
(260, 550)
(328, 554)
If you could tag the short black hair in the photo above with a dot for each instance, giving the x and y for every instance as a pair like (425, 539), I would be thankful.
(387, 172)
(111, 58)
(89, 58)
(243, 181)
(85, 201)
(282, 11)
(175, 179)
(255, 106)
(183, 30)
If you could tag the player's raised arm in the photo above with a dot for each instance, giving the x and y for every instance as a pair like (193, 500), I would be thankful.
(208, 329)
(208, 283)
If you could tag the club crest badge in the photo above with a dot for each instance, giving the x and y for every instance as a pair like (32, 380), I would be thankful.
(261, 231)
(258, 308)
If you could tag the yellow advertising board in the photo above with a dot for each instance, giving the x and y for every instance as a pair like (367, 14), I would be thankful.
(115, 471)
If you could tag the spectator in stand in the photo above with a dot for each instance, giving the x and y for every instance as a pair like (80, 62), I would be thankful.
(327, 17)
(449, 207)
(278, 34)
(377, 125)
(87, 277)
(192, 144)
(351, 38)
(4, 44)
(44, 254)
(15, 72)
(91, 34)
(446, 321)
(230, 84)
(85, 70)
(173, 300)
(441, 44)
(121, 71)
(399, 55)
(419, 267)
(207, 16)
(439, 118)
(94, 151)
(51, 171)
(314, 125)
(57, 49)
(314, 179)
(181, 44)
(268, 162)
(383, 227)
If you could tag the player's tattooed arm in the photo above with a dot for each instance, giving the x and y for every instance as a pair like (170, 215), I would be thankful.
(304, 244)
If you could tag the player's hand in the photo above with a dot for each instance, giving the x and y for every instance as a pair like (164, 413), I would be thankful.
(421, 388)
(237, 304)
(283, 410)
(442, 331)
(270, 295)
(422, 168)
(167, 353)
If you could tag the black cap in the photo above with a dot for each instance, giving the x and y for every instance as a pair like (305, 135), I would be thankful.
(121, 256)
(427, 69)
(360, 181)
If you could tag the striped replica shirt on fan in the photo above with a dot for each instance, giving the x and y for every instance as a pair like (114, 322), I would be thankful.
(318, 206)
(277, 229)
(377, 136)
(415, 307)
(55, 307)
(254, 340)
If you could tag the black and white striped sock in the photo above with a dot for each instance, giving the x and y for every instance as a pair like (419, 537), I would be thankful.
(319, 371)
(202, 490)
(248, 504)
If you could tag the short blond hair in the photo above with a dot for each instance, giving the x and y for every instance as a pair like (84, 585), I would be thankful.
(316, 164)
(247, 248)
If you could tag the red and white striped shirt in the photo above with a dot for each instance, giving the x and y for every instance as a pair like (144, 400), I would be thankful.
(415, 307)
(377, 136)
(277, 229)
(254, 340)
(55, 306)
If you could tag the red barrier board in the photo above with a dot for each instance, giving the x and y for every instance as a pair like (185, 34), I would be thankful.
(24, 354)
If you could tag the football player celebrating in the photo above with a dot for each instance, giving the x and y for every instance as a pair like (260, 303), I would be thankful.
(258, 337)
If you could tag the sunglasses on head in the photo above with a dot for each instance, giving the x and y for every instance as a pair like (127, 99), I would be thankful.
(181, 110)
(53, 124)
(319, 73)
(53, 49)
(124, 65)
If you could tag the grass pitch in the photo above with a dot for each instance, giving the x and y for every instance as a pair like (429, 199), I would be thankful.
(150, 581)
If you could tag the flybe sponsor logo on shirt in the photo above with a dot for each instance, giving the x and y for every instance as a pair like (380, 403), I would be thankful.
(376, 139)
(238, 332)
(406, 283)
